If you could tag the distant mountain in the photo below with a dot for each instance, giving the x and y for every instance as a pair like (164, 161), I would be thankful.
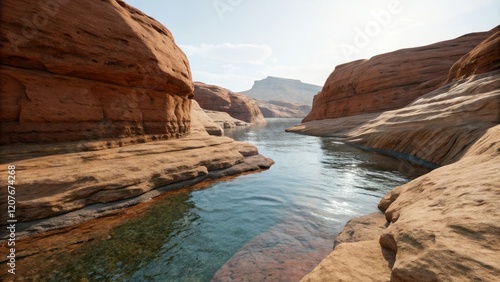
(283, 90)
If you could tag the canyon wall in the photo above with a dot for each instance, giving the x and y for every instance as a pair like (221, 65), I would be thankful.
(89, 70)
(441, 226)
(216, 98)
(389, 81)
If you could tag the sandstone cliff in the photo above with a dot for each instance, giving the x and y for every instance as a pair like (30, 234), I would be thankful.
(389, 81)
(442, 226)
(104, 58)
(96, 113)
(215, 98)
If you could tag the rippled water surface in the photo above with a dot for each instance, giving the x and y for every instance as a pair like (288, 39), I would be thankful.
(270, 226)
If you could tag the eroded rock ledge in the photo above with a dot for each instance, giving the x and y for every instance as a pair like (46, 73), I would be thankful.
(56, 184)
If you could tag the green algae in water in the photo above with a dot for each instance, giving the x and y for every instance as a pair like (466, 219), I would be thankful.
(131, 244)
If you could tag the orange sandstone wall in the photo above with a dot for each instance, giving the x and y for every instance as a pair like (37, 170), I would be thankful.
(78, 70)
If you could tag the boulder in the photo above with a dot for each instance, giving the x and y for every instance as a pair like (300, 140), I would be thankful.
(215, 98)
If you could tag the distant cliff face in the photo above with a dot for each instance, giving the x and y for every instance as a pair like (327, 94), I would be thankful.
(216, 98)
(78, 70)
(283, 90)
(389, 81)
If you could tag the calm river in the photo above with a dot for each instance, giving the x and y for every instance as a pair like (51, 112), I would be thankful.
(270, 226)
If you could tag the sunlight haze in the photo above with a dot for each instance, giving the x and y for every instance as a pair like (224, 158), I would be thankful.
(231, 43)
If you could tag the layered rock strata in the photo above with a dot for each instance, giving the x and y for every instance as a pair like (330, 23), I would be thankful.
(54, 184)
(436, 127)
(215, 98)
(389, 81)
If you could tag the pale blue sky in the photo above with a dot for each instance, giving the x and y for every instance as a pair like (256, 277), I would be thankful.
(231, 43)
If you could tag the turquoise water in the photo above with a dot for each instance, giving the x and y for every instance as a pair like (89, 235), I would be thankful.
(270, 226)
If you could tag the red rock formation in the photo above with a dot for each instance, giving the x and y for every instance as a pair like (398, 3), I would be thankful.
(389, 81)
(74, 70)
(215, 98)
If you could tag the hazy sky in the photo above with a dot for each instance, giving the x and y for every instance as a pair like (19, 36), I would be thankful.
(231, 43)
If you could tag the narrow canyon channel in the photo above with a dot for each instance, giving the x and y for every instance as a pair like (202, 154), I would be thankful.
(270, 226)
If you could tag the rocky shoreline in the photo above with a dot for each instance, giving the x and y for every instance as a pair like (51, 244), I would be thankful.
(102, 182)
(441, 226)
(98, 117)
